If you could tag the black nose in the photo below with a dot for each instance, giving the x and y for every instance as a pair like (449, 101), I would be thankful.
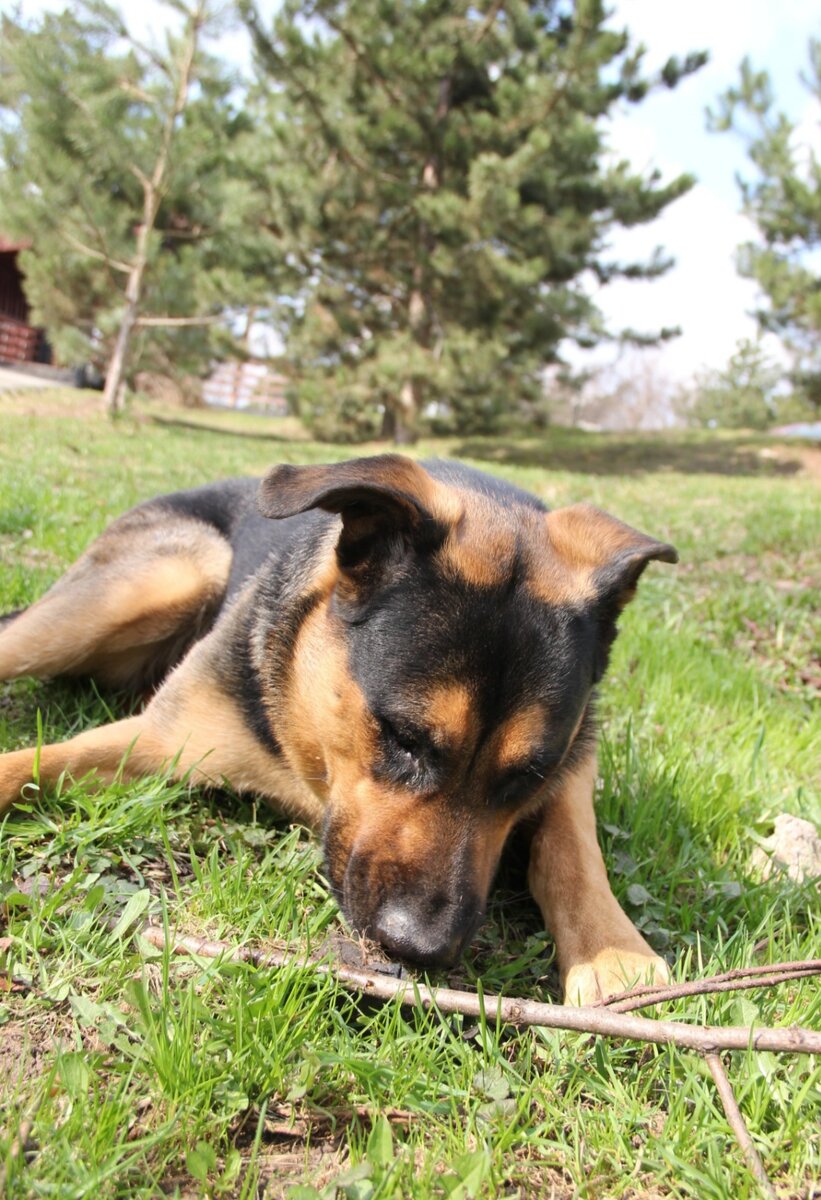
(410, 930)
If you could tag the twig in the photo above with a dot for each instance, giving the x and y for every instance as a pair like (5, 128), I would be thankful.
(16, 1149)
(730, 981)
(290, 1125)
(511, 1010)
(114, 263)
(739, 1128)
(168, 322)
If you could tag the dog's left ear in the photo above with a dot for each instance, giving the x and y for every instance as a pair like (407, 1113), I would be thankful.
(607, 558)
(383, 501)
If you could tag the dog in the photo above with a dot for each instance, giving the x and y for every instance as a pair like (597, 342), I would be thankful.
(403, 656)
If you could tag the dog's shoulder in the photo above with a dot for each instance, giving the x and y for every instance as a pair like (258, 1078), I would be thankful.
(223, 504)
(230, 507)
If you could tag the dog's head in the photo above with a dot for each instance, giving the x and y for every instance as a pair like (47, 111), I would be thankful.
(440, 684)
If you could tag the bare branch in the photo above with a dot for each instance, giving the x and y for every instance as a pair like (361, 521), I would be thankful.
(174, 322)
(131, 89)
(489, 21)
(114, 263)
(511, 1010)
(140, 176)
(739, 1128)
(731, 981)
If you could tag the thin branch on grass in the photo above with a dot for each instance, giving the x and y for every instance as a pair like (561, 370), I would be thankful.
(737, 1124)
(290, 1125)
(737, 980)
(510, 1010)
(604, 1021)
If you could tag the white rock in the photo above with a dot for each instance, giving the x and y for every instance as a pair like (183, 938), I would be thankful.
(794, 847)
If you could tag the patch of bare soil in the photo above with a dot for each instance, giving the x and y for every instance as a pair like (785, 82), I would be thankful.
(27, 1049)
(282, 1163)
(317, 1164)
(31, 402)
(809, 457)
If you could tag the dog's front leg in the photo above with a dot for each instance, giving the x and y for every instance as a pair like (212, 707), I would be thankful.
(600, 951)
(122, 746)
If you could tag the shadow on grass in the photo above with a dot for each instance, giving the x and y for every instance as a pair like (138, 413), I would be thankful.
(634, 454)
(254, 435)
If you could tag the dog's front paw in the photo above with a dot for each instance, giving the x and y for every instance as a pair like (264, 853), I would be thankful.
(613, 971)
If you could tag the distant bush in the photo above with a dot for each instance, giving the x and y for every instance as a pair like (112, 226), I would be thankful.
(749, 393)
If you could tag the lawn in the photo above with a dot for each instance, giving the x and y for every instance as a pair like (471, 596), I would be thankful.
(134, 1075)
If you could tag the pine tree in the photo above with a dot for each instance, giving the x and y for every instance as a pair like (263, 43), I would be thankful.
(741, 395)
(124, 164)
(783, 200)
(443, 185)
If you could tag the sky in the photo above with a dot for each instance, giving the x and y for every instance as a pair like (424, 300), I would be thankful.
(702, 293)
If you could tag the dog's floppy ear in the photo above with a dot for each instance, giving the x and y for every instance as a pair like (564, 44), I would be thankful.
(382, 500)
(608, 558)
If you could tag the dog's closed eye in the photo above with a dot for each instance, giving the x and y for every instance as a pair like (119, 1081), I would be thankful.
(408, 755)
(409, 741)
(522, 781)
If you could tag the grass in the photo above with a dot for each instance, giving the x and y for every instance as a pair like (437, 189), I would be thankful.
(144, 1076)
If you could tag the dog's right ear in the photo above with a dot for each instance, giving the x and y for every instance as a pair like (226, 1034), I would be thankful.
(386, 504)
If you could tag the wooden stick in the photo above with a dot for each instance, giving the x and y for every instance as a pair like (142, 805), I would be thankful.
(510, 1010)
(16, 1149)
(737, 1124)
(731, 981)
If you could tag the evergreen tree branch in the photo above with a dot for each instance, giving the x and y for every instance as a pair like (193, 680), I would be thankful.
(140, 176)
(152, 197)
(110, 260)
(138, 93)
(369, 66)
(279, 69)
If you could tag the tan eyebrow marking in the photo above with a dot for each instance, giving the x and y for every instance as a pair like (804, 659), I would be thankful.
(450, 713)
(520, 735)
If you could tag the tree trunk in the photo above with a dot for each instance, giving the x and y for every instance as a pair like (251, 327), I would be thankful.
(114, 392)
(388, 431)
(420, 317)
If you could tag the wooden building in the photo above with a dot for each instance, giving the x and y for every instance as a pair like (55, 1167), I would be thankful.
(19, 340)
(253, 385)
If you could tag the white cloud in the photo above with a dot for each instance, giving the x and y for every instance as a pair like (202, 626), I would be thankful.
(729, 29)
(703, 293)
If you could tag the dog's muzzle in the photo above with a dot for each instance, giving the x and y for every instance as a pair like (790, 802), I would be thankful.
(424, 932)
(427, 925)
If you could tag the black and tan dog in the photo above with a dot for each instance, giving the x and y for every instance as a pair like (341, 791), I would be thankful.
(405, 659)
